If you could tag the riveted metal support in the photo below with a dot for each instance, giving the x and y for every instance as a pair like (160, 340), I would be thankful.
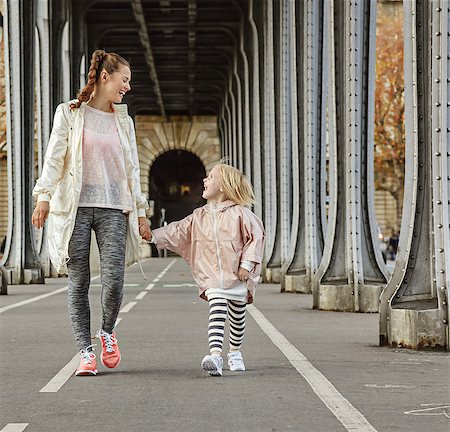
(270, 169)
(283, 29)
(3, 282)
(351, 274)
(44, 110)
(306, 248)
(255, 148)
(20, 258)
(414, 304)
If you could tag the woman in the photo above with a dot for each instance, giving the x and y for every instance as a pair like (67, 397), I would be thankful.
(90, 181)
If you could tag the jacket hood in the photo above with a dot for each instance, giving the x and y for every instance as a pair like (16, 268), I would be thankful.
(119, 109)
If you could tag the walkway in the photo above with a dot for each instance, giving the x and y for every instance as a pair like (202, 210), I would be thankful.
(307, 370)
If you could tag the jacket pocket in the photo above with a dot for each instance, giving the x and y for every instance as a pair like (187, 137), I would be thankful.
(61, 200)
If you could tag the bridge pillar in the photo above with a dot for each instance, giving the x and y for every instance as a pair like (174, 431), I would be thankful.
(351, 274)
(415, 303)
(309, 165)
(3, 282)
(20, 258)
(269, 138)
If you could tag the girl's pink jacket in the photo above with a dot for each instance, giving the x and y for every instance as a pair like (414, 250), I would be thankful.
(214, 240)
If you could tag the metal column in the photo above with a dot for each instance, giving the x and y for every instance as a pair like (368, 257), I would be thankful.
(269, 168)
(351, 274)
(308, 246)
(414, 305)
(20, 259)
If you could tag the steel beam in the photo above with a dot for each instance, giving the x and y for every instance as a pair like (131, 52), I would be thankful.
(255, 148)
(145, 41)
(351, 274)
(308, 242)
(20, 258)
(270, 168)
(414, 305)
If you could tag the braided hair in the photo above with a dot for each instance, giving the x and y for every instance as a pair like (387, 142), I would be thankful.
(100, 60)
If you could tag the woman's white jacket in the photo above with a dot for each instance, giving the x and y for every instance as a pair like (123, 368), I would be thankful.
(61, 180)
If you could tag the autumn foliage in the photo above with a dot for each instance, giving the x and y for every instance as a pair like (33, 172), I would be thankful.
(389, 107)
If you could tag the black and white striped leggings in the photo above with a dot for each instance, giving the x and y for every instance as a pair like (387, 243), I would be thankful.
(219, 309)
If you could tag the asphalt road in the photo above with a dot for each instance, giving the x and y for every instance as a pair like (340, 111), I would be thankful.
(307, 370)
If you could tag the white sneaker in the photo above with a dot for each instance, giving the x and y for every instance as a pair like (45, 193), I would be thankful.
(235, 361)
(213, 364)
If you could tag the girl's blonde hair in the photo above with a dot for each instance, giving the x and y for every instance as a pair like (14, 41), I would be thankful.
(235, 185)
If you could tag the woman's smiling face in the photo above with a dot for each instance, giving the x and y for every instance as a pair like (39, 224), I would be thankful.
(117, 83)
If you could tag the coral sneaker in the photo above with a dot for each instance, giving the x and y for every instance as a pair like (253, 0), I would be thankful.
(88, 364)
(110, 350)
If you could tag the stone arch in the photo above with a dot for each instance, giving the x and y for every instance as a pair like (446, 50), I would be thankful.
(156, 135)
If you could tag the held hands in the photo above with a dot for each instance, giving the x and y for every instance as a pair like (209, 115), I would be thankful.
(243, 274)
(144, 229)
(40, 214)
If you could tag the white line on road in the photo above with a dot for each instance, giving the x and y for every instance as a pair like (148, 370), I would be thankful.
(150, 287)
(344, 411)
(128, 307)
(33, 299)
(141, 295)
(14, 427)
(62, 376)
(65, 373)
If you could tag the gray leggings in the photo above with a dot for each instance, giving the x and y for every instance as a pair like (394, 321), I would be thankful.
(110, 227)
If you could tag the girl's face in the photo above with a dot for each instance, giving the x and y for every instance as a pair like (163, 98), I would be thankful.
(211, 184)
(115, 85)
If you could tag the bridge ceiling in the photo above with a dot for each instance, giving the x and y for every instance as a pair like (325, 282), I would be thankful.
(181, 51)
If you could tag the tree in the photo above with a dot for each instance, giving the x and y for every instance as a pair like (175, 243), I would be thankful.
(389, 107)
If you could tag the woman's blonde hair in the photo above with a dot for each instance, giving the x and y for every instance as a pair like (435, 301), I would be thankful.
(235, 185)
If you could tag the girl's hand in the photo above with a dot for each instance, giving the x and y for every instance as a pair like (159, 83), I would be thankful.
(40, 214)
(243, 274)
(144, 229)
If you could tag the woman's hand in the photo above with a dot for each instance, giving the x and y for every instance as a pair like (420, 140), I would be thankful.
(243, 274)
(144, 229)
(40, 214)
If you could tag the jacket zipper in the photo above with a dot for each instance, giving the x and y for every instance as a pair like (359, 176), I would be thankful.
(216, 238)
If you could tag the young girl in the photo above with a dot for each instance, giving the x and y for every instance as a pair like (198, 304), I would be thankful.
(90, 181)
(223, 244)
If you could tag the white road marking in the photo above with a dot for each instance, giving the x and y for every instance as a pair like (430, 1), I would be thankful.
(181, 285)
(141, 295)
(31, 300)
(158, 278)
(62, 376)
(66, 372)
(39, 297)
(150, 287)
(344, 411)
(14, 427)
(432, 411)
(128, 307)
(388, 386)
